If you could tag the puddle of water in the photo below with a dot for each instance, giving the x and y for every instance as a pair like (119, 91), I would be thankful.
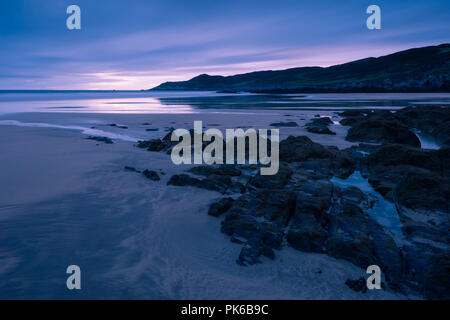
(383, 211)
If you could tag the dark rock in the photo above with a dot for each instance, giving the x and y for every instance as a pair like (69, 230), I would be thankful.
(237, 187)
(294, 149)
(249, 255)
(183, 180)
(358, 285)
(212, 182)
(320, 126)
(442, 133)
(216, 183)
(427, 268)
(275, 181)
(101, 139)
(431, 120)
(284, 124)
(238, 240)
(382, 131)
(164, 144)
(152, 175)
(118, 126)
(151, 145)
(219, 207)
(356, 237)
(152, 129)
(444, 158)
(345, 162)
(243, 220)
(421, 189)
(127, 168)
(397, 155)
(308, 231)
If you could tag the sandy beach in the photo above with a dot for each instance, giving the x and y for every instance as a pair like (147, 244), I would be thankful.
(68, 200)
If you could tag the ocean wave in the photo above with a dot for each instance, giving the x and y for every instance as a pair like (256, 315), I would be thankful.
(83, 130)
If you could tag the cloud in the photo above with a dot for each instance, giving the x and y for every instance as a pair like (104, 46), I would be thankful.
(143, 43)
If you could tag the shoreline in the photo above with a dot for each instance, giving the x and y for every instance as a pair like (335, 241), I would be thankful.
(163, 226)
(157, 240)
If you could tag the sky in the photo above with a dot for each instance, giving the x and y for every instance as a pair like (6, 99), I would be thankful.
(138, 44)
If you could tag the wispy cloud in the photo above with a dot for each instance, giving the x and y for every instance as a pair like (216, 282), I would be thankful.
(139, 44)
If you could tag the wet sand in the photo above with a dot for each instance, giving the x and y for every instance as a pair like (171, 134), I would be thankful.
(68, 200)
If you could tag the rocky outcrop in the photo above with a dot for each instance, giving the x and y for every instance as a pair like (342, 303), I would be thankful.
(320, 126)
(358, 285)
(383, 126)
(101, 139)
(284, 124)
(382, 131)
(295, 149)
(259, 217)
(218, 183)
(219, 207)
(300, 207)
(433, 121)
(152, 175)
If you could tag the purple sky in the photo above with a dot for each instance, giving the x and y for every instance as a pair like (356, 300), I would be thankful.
(139, 44)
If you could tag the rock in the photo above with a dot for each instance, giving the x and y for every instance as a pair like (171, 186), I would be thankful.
(415, 178)
(353, 113)
(308, 230)
(238, 240)
(150, 145)
(295, 149)
(274, 205)
(424, 190)
(356, 237)
(436, 279)
(118, 126)
(401, 155)
(127, 168)
(219, 207)
(216, 183)
(237, 187)
(345, 162)
(275, 181)
(318, 188)
(444, 158)
(427, 268)
(259, 218)
(284, 124)
(262, 243)
(431, 120)
(182, 180)
(152, 175)
(101, 139)
(213, 182)
(320, 126)
(358, 285)
(164, 144)
(152, 129)
(249, 255)
(442, 133)
(382, 131)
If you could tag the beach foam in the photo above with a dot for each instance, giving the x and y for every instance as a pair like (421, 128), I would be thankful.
(84, 130)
